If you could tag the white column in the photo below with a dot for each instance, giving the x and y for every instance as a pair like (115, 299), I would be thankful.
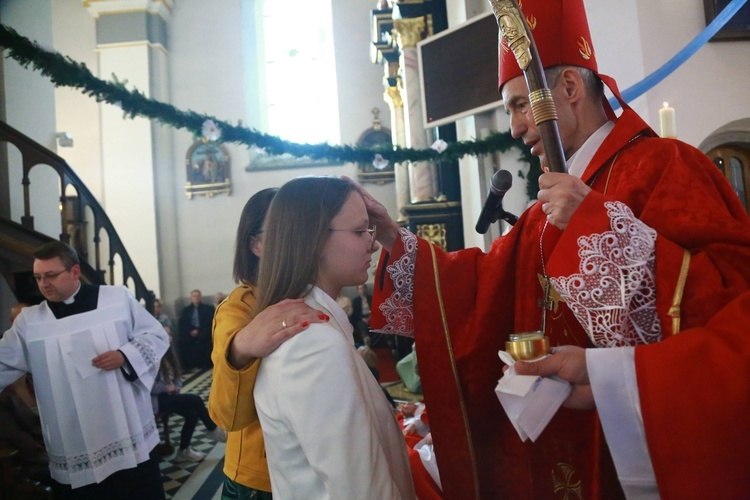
(423, 182)
(401, 173)
(131, 39)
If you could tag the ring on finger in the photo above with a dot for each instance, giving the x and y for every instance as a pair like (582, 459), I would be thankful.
(283, 324)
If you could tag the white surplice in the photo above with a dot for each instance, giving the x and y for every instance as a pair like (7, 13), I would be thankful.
(95, 422)
(329, 430)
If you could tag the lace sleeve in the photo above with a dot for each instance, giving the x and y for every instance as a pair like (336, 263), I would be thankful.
(398, 309)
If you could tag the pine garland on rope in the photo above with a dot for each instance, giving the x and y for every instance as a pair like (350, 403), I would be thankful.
(66, 72)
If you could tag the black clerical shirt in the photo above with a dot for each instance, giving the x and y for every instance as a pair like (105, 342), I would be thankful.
(85, 300)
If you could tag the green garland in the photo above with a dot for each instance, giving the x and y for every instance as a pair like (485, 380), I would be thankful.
(66, 72)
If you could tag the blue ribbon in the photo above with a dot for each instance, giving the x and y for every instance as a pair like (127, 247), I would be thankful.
(691, 48)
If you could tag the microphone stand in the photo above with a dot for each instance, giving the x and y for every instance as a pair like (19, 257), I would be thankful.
(507, 217)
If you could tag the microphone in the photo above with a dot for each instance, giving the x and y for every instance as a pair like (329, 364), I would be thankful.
(492, 210)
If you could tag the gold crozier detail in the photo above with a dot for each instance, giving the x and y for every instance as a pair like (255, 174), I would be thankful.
(513, 31)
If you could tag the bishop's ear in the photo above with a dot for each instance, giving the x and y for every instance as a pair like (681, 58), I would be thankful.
(572, 83)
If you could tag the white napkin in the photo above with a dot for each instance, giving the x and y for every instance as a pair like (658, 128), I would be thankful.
(427, 455)
(529, 401)
(81, 351)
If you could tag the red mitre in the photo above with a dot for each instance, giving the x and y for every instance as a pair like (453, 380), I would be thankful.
(561, 33)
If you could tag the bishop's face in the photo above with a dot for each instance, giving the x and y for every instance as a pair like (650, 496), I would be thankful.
(55, 282)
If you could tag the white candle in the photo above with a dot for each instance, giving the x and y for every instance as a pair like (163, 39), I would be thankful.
(667, 122)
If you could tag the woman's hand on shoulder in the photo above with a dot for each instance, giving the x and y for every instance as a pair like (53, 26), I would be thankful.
(272, 327)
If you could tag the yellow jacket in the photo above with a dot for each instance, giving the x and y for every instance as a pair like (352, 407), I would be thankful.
(231, 403)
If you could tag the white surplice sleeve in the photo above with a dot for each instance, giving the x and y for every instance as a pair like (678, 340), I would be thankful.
(148, 341)
(13, 360)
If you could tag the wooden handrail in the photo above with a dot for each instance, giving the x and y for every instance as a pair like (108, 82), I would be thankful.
(33, 154)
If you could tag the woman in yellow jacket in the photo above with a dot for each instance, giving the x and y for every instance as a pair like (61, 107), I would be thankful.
(236, 357)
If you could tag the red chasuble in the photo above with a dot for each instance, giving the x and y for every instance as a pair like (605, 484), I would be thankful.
(660, 245)
(697, 416)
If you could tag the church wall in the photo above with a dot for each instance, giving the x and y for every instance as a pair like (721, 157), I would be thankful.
(30, 108)
(209, 74)
(710, 89)
(75, 112)
(635, 38)
(205, 76)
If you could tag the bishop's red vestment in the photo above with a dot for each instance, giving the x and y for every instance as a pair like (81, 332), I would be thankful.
(660, 245)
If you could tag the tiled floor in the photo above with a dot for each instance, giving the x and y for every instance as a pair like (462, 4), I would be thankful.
(191, 480)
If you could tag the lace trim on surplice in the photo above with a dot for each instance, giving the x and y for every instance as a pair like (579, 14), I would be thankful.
(398, 309)
(614, 295)
(99, 458)
(147, 352)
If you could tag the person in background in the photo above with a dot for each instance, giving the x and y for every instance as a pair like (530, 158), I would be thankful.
(195, 333)
(94, 353)
(371, 360)
(360, 316)
(236, 357)
(346, 304)
(162, 318)
(329, 430)
(166, 398)
(218, 298)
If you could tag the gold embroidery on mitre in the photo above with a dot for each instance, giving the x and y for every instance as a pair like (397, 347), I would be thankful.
(566, 484)
(531, 20)
(554, 295)
(584, 48)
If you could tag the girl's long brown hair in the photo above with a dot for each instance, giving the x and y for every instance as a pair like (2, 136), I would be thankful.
(295, 233)
(251, 225)
(170, 363)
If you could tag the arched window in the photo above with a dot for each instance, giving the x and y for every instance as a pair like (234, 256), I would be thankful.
(734, 162)
(299, 71)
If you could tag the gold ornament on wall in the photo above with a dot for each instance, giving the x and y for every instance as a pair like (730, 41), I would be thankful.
(434, 233)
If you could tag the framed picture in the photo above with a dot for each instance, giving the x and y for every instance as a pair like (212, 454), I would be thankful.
(737, 28)
(207, 167)
(377, 135)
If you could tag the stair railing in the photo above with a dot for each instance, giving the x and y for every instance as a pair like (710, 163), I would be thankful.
(33, 154)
